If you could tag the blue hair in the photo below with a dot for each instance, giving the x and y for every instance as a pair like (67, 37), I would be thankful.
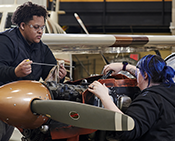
(156, 69)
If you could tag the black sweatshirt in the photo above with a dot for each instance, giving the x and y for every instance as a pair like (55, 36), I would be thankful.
(14, 49)
(154, 114)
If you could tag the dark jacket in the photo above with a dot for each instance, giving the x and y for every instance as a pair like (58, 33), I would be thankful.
(154, 114)
(14, 49)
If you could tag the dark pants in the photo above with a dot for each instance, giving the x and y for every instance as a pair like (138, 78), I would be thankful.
(5, 131)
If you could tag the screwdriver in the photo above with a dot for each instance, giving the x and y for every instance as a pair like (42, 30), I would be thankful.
(45, 64)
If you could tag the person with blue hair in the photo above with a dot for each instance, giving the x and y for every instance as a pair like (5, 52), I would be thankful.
(153, 109)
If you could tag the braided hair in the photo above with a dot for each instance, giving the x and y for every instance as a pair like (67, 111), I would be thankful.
(156, 69)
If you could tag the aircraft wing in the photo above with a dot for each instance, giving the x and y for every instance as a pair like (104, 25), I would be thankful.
(68, 42)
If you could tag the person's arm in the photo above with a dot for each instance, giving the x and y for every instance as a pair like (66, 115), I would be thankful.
(102, 92)
(144, 110)
(62, 72)
(24, 68)
(7, 57)
(117, 67)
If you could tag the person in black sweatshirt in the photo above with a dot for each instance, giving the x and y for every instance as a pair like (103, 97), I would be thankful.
(22, 45)
(153, 110)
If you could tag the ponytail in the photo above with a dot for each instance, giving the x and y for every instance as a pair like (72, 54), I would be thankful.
(168, 74)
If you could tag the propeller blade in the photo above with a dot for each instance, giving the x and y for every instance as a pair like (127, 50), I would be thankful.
(83, 115)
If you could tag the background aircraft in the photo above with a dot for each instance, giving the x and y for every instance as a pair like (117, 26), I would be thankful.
(57, 39)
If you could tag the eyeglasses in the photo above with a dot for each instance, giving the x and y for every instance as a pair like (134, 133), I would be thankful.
(37, 27)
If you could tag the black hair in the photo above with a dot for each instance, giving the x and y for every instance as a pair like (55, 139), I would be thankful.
(24, 13)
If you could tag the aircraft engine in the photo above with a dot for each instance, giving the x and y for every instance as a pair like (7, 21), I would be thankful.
(17, 97)
(69, 92)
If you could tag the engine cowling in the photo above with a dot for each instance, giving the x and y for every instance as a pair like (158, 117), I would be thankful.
(15, 102)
